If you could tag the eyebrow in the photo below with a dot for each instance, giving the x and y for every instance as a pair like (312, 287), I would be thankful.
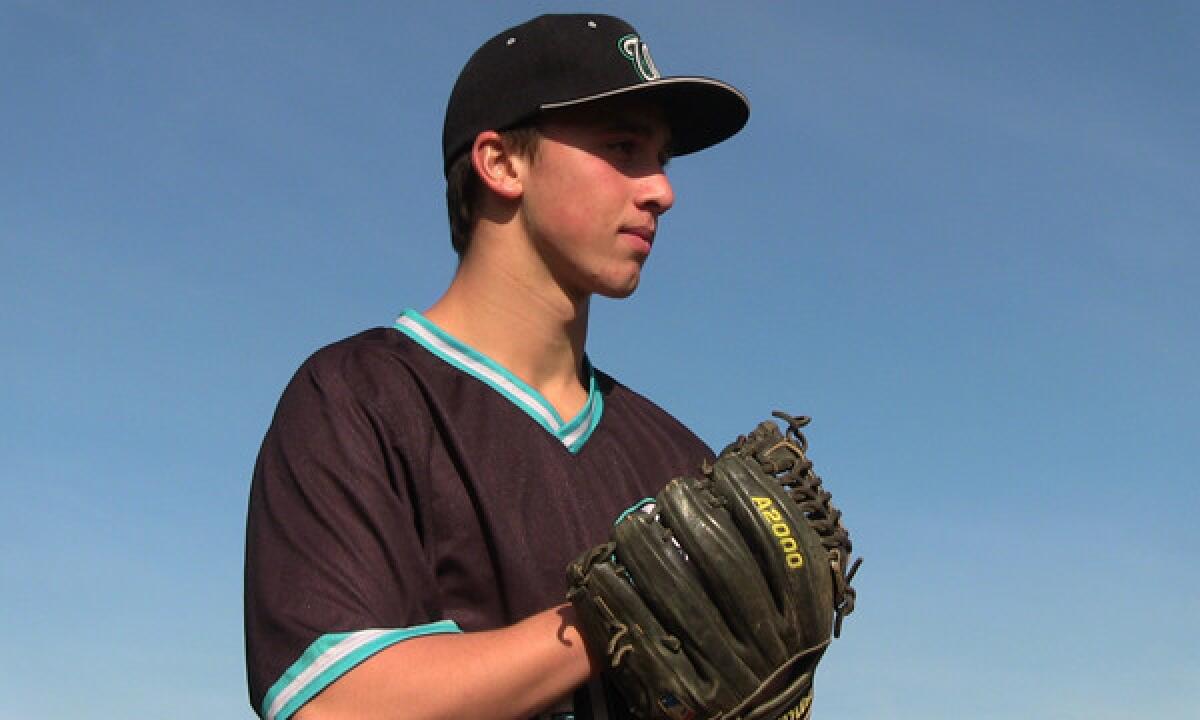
(630, 126)
(641, 129)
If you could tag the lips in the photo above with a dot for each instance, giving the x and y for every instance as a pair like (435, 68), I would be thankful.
(645, 232)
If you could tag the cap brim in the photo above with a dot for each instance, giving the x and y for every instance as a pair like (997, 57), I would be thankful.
(701, 111)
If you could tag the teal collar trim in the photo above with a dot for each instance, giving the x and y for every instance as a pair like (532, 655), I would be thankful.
(572, 434)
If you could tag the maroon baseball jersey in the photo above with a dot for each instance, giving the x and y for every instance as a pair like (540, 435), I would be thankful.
(409, 485)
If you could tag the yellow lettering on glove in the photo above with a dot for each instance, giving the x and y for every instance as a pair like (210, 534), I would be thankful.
(800, 712)
(781, 530)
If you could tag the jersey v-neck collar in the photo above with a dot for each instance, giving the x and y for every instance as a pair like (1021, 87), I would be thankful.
(572, 434)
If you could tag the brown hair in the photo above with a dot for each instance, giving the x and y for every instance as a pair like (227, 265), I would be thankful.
(463, 185)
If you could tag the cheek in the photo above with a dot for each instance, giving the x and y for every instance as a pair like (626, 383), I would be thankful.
(574, 203)
(577, 216)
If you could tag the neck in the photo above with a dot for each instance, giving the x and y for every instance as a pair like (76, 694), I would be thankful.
(515, 316)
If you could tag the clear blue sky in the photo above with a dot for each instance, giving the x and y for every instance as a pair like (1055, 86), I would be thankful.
(965, 237)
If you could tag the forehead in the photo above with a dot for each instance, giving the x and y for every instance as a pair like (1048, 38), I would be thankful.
(614, 114)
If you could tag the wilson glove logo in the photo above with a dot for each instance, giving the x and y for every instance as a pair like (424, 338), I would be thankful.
(800, 712)
(781, 530)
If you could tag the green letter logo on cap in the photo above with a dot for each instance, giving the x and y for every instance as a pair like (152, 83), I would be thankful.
(638, 54)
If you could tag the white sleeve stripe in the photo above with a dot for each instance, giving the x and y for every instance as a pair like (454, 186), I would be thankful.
(322, 663)
(331, 656)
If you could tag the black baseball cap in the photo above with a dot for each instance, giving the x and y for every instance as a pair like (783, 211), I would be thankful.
(558, 61)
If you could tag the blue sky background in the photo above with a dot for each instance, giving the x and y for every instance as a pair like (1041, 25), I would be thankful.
(962, 236)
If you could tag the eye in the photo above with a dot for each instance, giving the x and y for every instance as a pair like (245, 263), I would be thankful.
(625, 147)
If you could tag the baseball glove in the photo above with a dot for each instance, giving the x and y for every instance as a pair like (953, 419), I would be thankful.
(716, 599)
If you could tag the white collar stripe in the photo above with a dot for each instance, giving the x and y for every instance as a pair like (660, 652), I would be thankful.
(546, 417)
(572, 434)
(575, 440)
(585, 415)
(580, 429)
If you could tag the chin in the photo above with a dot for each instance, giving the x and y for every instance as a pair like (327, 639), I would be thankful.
(621, 287)
(619, 282)
(619, 292)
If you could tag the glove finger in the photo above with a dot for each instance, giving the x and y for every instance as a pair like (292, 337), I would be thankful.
(793, 559)
(674, 593)
(730, 572)
(647, 663)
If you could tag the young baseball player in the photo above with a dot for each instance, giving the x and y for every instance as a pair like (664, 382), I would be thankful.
(423, 487)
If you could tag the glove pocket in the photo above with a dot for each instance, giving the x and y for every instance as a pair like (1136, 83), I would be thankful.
(727, 570)
(676, 596)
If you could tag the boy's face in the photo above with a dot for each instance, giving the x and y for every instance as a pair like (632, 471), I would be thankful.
(593, 194)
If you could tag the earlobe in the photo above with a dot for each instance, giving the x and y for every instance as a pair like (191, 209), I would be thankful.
(494, 165)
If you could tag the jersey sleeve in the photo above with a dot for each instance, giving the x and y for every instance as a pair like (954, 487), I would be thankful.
(335, 566)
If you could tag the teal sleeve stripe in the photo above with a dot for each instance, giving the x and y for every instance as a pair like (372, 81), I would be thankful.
(636, 507)
(330, 657)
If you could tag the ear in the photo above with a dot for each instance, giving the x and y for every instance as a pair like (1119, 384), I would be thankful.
(495, 165)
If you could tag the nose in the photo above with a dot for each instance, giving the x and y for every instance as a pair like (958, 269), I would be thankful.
(655, 193)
